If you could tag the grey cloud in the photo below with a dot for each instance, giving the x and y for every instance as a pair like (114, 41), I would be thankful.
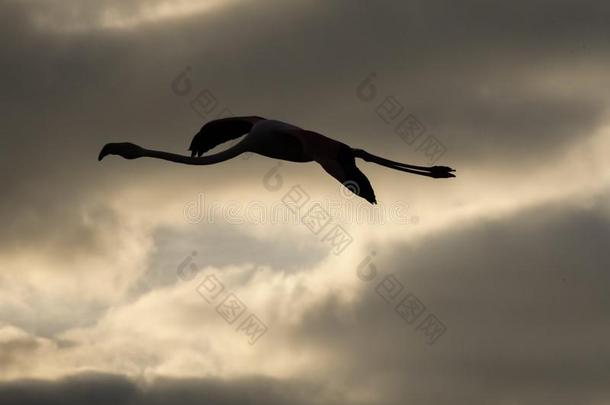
(12, 351)
(219, 245)
(106, 388)
(67, 94)
(320, 52)
(524, 300)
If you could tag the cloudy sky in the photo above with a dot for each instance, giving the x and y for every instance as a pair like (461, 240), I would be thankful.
(134, 282)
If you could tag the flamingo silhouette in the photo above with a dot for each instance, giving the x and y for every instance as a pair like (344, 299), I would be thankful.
(278, 140)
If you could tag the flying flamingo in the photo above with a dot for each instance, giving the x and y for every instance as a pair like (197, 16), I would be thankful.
(278, 140)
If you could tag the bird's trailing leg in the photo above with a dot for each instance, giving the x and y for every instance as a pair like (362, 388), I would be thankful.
(437, 172)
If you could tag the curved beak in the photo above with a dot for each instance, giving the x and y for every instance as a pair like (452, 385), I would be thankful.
(103, 153)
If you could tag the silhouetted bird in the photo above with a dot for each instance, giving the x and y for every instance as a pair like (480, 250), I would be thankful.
(278, 140)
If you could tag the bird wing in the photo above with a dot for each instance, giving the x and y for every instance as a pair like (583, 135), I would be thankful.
(215, 132)
(345, 171)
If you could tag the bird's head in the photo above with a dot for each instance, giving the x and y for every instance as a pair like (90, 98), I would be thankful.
(124, 149)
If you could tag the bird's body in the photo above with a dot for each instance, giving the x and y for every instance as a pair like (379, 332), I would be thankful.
(278, 140)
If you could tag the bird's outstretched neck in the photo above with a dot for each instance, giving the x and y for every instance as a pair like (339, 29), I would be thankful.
(131, 151)
(436, 172)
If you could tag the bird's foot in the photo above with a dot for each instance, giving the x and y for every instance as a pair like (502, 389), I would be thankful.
(124, 149)
(441, 172)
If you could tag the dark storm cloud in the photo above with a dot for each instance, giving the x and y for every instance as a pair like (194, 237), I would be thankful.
(524, 300)
(106, 389)
(303, 62)
(467, 71)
